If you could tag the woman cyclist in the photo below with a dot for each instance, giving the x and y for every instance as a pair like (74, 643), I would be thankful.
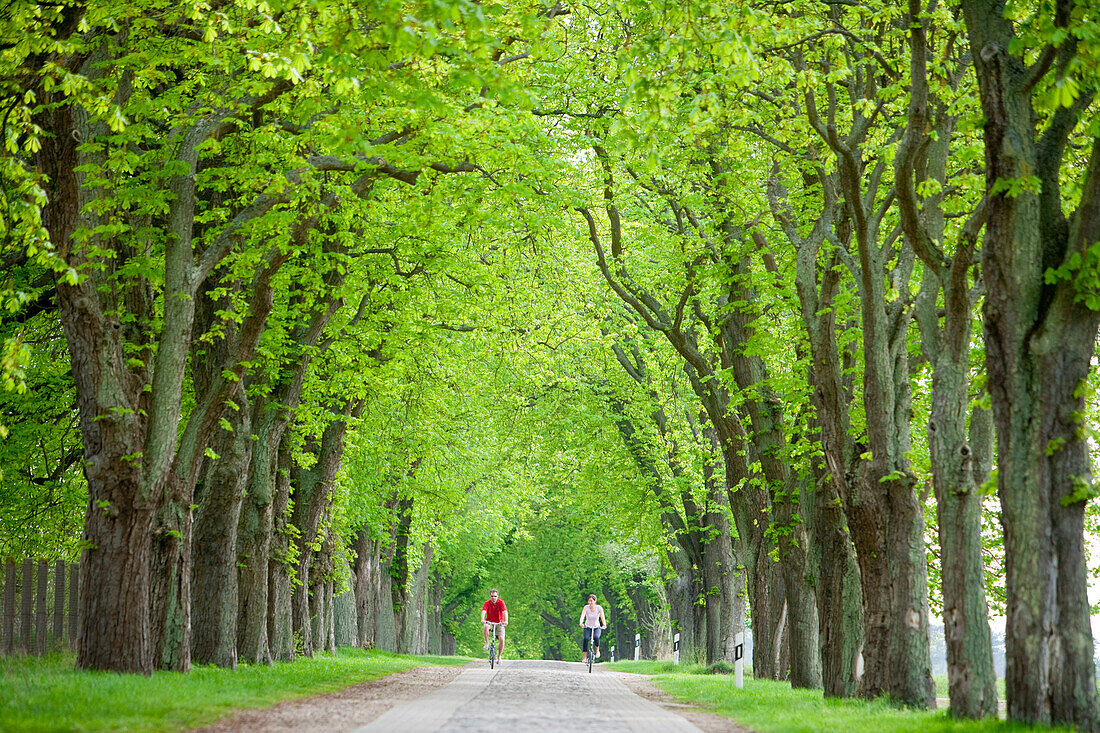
(593, 622)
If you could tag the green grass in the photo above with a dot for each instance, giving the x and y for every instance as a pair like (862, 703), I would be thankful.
(773, 707)
(48, 694)
(941, 686)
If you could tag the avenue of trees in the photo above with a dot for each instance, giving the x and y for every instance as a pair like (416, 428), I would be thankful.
(326, 317)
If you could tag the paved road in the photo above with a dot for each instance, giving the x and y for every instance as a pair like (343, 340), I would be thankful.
(530, 697)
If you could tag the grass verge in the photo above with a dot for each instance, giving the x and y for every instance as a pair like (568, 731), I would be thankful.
(767, 706)
(48, 694)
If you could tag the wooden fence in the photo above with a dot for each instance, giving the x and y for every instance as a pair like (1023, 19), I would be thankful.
(40, 606)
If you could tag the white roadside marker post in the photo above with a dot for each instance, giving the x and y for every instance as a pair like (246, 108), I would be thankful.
(676, 649)
(637, 647)
(739, 660)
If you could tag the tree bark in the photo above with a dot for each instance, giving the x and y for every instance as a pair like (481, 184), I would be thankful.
(1040, 339)
(115, 629)
(399, 568)
(832, 557)
(254, 538)
(682, 589)
(971, 680)
(885, 516)
(278, 616)
(219, 497)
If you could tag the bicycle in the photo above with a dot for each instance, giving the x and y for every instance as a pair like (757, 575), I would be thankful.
(493, 656)
(592, 642)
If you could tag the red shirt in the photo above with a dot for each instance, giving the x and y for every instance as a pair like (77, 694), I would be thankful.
(494, 611)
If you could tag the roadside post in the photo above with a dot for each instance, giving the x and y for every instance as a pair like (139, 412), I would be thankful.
(612, 652)
(739, 660)
(637, 647)
(676, 649)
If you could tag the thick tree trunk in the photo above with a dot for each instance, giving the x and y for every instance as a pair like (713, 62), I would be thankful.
(303, 607)
(315, 623)
(719, 567)
(330, 617)
(170, 595)
(399, 569)
(254, 539)
(718, 571)
(832, 557)
(215, 600)
(682, 590)
(765, 413)
(971, 679)
(804, 643)
(839, 596)
(365, 572)
(763, 578)
(416, 616)
(385, 636)
(114, 608)
(959, 468)
(885, 516)
(278, 616)
(923, 156)
(435, 614)
(345, 627)
(115, 632)
(1040, 340)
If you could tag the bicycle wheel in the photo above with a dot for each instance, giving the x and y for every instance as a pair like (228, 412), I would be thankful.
(493, 653)
(591, 652)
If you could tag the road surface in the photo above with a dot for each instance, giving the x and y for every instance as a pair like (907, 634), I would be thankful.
(530, 697)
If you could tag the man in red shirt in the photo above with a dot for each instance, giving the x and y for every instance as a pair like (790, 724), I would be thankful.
(494, 611)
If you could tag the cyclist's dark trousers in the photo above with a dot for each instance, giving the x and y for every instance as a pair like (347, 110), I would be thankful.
(591, 634)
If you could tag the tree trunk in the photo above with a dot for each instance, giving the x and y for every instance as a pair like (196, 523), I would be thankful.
(345, 625)
(682, 591)
(215, 601)
(765, 414)
(435, 614)
(1040, 339)
(923, 156)
(315, 623)
(365, 571)
(958, 470)
(885, 516)
(416, 624)
(971, 679)
(386, 622)
(719, 567)
(399, 569)
(115, 632)
(254, 539)
(839, 596)
(278, 618)
(832, 558)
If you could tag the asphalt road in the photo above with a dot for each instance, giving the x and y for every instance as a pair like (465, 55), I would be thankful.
(530, 697)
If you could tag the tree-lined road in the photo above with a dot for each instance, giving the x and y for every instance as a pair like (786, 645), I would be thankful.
(536, 696)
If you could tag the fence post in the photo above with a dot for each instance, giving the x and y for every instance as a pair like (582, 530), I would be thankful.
(26, 627)
(637, 647)
(58, 604)
(74, 603)
(7, 640)
(40, 630)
